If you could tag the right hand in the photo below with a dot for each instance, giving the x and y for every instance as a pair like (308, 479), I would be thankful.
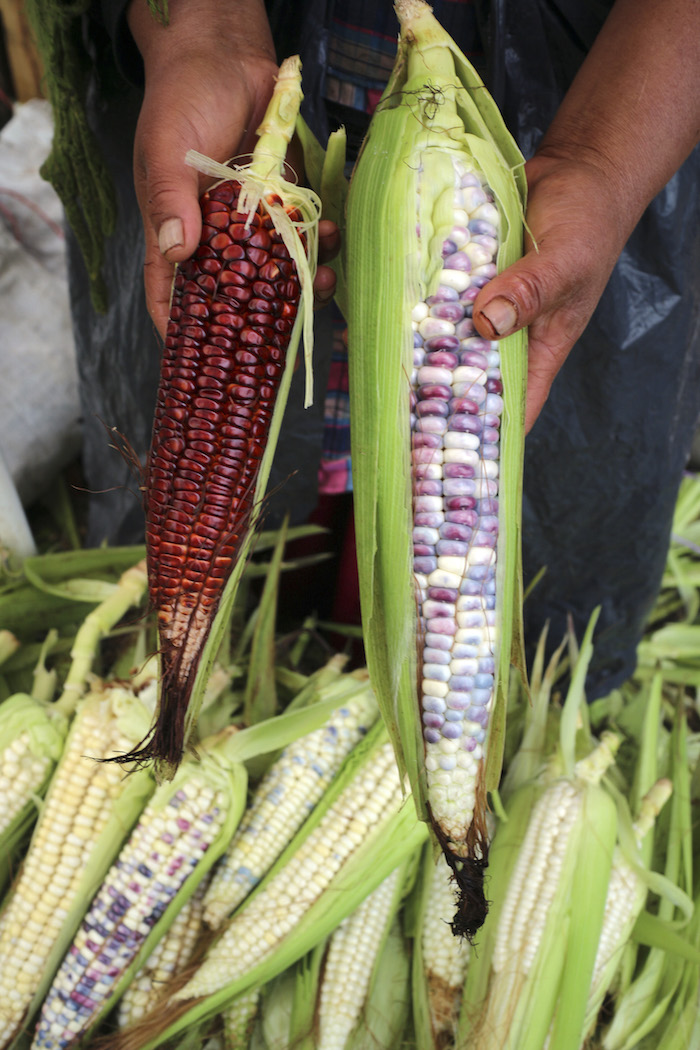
(209, 76)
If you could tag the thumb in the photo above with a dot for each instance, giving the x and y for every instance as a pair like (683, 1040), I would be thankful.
(515, 298)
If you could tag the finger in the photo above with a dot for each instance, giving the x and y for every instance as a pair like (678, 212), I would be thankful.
(328, 240)
(324, 286)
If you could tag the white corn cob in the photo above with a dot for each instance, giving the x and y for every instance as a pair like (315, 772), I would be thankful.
(239, 1018)
(83, 798)
(445, 957)
(349, 965)
(255, 931)
(285, 797)
(168, 958)
(22, 774)
(547, 931)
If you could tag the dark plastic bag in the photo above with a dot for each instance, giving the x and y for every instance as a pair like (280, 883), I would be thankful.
(604, 461)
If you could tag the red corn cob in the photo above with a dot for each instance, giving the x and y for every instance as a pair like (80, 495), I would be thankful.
(233, 310)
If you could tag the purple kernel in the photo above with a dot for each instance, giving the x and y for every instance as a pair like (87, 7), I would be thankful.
(421, 439)
(468, 295)
(478, 345)
(454, 715)
(479, 715)
(458, 261)
(487, 664)
(433, 703)
(443, 594)
(424, 455)
(452, 730)
(433, 720)
(465, 423)
(424, 564)
(483, 681)
(417, 340)
(469, 744)
(451, 530)
(488, 523)
(486, 272)
(481, 226)
(481, 697)
(457, 701)
(442, 358)
(489, 450)
(443, 294)
(487, 506)
(422, 550)
(477, 572)
(448, 248)
(475, 358)
(433, 609)
(430, 519)
(431, 736)
(461, 517)
(434, 390)
(484, 539)
(437, 343)
(428, 487)
(432, 407)
(461, 405)
(436, 656)
(452, 548)
(465, 328)
(479, 280)
(449, 312)
(459, 487)
(442, 625)
(493, 386)
(491, 421)
(461, 683)
(458, 470)
(461, 503)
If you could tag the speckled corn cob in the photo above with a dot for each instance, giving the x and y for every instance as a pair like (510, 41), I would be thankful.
(239, 1019)
(271, 915)
(168, 958)
(437, 432)
(285, 797)
(88, 804)
(349, 965)
(176, 835)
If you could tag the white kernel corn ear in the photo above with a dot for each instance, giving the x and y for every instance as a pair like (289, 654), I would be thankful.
(89, 805)
(183, 829)
(349, 964)
(440, 959)
(437, 432)
(283, 800)
(168, 958)
(31, 741)
(549, 924)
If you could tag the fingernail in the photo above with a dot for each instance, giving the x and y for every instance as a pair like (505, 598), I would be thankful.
(171, 235)
(501, 315)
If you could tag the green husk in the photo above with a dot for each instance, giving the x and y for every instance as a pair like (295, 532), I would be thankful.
(428, 114)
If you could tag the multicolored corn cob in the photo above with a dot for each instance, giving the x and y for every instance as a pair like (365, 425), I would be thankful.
(185, 826)
(230, 341)
(286, 795)
(170, 955)
(30, 745)
(437, 426)
(90, 805)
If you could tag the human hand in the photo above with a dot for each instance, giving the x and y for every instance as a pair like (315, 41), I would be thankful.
(209, 76)
(578, 232)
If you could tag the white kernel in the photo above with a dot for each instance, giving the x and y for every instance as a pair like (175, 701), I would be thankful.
(456, 440)
(456, 279)
(469, 456)
(455, 565)
(442, 578)
(419, 312)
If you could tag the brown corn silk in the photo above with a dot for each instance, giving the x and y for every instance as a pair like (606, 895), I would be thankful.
(232, 319)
